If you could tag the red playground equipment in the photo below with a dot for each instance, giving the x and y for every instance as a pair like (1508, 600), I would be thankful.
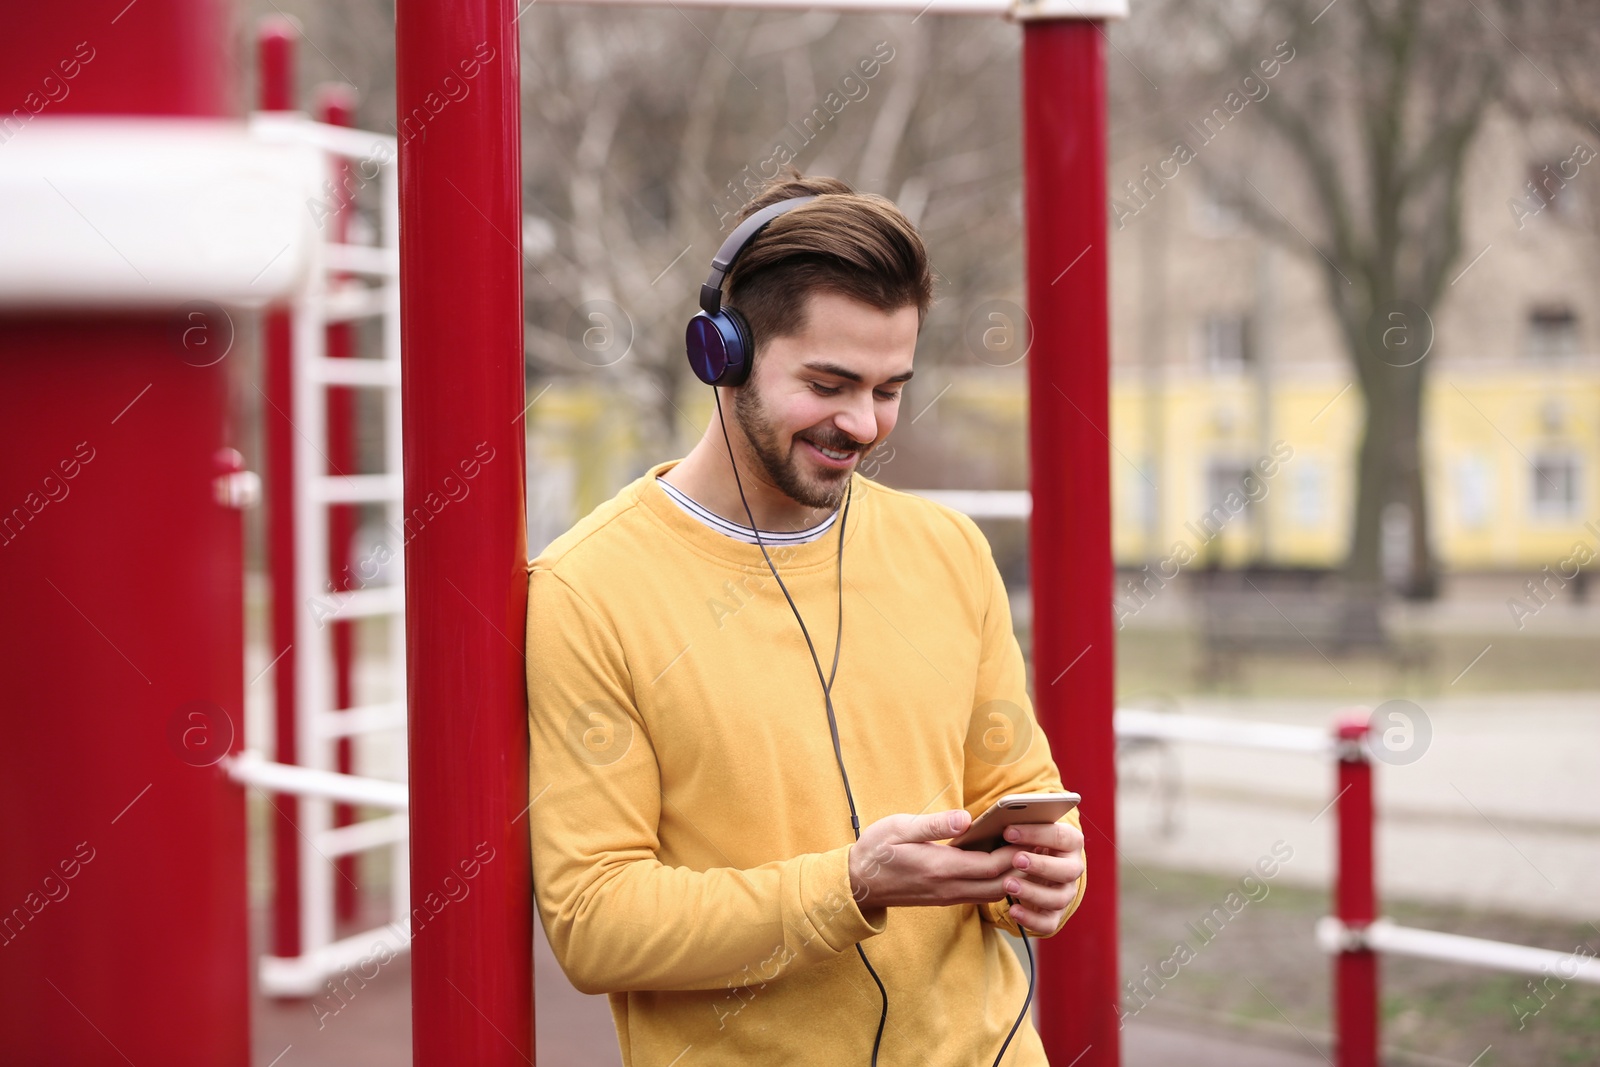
(138, 208)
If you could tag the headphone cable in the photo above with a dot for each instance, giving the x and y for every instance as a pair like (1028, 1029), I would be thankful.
(1026, 1000)
(833, 726)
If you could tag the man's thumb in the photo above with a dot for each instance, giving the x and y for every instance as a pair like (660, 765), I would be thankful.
(941, 825)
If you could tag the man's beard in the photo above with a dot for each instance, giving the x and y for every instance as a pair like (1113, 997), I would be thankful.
(788, 470)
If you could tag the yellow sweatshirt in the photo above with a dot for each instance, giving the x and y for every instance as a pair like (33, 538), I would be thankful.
(689, 825)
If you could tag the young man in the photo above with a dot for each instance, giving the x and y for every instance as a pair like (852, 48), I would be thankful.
(693, 850)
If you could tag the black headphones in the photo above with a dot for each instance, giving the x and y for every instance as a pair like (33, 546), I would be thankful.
(721, 352)
(720, 347)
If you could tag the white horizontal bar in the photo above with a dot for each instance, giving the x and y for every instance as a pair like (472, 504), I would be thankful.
(1381, 935)
(1156, 725)
(252, 768)
(361, 603)
(379, 148)
(1060, 9)
(357, 488)
(350, 302)
(361, 259)
(182, 209)
(349, 722)
(362, 835)
(983, 503)
(993, 8)
(372, 373)
(301, 976)
(1069, 9)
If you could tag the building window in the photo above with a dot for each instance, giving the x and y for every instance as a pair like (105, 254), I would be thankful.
(1555, 487)
(1225, 344)
(1549, 185)
(1212, 215)
(1139, 493)
(1229, 487)
(1308, 507)
(1552, 332)
(1474, 492)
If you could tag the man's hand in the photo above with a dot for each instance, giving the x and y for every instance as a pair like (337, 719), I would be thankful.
(898, 863)
(1048, 861)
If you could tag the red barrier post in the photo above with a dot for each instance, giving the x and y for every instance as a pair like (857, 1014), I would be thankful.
(1355, 974)
(466, 556)
(1064, 152)
(275, 48)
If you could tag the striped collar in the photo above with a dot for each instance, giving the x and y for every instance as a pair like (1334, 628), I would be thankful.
(744, 533)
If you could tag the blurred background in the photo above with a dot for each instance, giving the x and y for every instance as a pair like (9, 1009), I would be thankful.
(1355, 430)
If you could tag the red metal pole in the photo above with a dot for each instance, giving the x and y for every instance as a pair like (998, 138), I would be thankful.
(466, 570)
(1355, 973)
(124, 934)
(275, 45)
(336, 105)
(275, 38)
(1064, 151)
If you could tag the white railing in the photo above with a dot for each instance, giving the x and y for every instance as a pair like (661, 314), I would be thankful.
(1353, 874)
(1138, 724)
(983, 503)
(252, 768)
(1381, 935)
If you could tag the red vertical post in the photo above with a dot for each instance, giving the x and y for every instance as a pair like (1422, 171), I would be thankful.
(466, 569)
(336, 105)
(1064, 153)
(275, 40)
(1355, 974)
(124, 934)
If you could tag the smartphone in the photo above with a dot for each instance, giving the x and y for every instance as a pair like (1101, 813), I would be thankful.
(987, 831)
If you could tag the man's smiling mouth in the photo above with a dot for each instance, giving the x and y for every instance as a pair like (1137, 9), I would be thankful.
(835, 455)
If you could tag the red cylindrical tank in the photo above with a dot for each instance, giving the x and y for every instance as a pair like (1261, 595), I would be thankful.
(122, 859)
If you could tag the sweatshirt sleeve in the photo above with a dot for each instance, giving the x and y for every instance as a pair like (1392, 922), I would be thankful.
(617, 918)
(1006, 751)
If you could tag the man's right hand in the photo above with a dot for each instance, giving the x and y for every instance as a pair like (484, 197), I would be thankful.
(897, 863)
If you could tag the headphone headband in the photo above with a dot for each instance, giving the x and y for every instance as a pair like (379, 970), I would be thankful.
(722, 262)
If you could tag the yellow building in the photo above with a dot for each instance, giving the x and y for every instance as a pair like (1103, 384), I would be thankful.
(1510, 459)
(1223, 343)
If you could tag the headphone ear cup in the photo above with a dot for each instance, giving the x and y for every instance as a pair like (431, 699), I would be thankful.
(741, 354)
(706, 349)
(719, 347)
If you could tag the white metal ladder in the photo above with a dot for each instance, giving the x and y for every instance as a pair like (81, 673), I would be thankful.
(319, 725)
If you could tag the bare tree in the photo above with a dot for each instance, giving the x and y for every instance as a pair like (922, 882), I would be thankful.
(1370, 118)
(646, 131)
(1560, 81)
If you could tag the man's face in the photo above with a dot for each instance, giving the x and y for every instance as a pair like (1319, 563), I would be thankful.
(835, 385)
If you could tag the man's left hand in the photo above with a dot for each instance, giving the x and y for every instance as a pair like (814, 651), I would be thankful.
(1045, 873)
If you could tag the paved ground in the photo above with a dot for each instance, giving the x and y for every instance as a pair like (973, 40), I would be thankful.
(1151, 1046)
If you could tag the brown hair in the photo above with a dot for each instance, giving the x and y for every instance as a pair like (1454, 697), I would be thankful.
(855, 244)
